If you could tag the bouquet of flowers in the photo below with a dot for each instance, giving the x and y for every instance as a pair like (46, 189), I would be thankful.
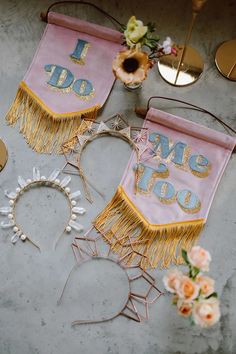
(194, 293)
(132, 64)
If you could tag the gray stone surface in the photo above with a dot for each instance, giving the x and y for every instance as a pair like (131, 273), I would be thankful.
(30, 282)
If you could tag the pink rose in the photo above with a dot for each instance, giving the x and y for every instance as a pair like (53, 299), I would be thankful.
(184, 308)
(206, 312)
(199, 258)
(188, 289)
(207, 285)
(172, 280)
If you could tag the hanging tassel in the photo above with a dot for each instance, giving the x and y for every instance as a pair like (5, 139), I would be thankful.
(125, 229)
(43, 131)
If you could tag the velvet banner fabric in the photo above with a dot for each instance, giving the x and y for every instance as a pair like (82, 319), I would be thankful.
(70, 77)
(177, 177)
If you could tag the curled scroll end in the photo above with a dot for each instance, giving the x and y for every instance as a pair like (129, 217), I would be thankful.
(141, 111)
(43, 16)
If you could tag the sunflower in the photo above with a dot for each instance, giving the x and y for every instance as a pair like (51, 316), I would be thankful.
(131, 66)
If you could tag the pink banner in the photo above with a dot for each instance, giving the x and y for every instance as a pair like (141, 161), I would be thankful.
(83, 49)
(195, 158)
(164, 198)
(70, 77)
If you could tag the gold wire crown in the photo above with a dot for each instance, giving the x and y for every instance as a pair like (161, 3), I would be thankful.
(116, 126)
(91, 246)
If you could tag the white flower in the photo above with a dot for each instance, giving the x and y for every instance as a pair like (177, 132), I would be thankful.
(167, 45)
(199, 258)
(187, 290)
(184, 308)
(172, 280)
(206, 285)
(206, 312)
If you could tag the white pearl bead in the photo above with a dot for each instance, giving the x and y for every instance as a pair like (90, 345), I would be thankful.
(57, 181)
(28, 180)
(73, 202)
(67, 190)
(17, 189)
(11, 202)
(10, 216)
(73, 216)
(23, 237)
(43, 178)
(15, 229)
(68, 229)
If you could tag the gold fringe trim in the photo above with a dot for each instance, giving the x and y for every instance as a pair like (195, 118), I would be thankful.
(44, 130)
(125, 229)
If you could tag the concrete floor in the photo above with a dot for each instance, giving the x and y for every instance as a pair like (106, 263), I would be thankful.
(30, 282)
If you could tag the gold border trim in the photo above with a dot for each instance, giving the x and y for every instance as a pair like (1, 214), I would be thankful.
(24, 86)
(144, 220)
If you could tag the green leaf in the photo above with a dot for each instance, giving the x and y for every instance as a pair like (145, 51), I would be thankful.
(149, 43)
(156, 38)
(212, 295)
(151, 26)
(174, 301)
(195, 272)
(185, 256)
(153, 37)
(123, 28)
(191, 321)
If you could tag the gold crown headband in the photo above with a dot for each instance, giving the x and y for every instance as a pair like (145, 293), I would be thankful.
(115, 126)
(38, 180)
(90, 247)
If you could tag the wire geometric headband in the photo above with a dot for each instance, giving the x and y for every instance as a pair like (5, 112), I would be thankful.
(24, 185)
(113, 126)
(136, 307)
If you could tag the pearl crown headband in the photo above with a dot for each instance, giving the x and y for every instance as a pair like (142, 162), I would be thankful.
(38, 180)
